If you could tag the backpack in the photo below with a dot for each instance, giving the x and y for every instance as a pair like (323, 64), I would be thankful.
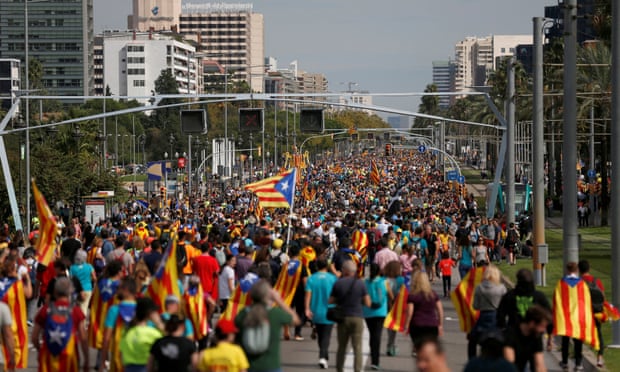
(523, 304)
(255, 340)
(220, 255)
(418, 247)
(164, 238)
(597, 296)
(181, 255)
(58, 328)
(511, 237)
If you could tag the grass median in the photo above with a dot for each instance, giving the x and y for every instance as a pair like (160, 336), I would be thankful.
(596, 248)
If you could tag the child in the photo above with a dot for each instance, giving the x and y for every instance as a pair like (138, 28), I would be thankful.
(445, 266)
(406, 259)
(225, 355)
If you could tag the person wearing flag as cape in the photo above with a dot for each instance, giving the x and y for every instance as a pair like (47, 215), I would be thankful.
(14, 291)
(116, 322)
(61, 326)
(573, 317)
(104, 296)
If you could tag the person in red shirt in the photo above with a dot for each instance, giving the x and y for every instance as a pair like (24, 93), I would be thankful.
(445, 266)
(584, 272)
(207, 269)
(61, 326)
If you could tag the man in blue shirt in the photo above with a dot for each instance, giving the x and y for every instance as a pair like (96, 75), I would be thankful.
(318, 289)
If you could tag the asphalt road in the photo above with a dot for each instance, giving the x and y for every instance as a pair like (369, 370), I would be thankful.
(302, 356)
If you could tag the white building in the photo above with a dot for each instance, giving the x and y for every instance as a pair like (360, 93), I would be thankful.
(133, 61)
(360, 97)
(9, 82)
(155, 15)
(476, 58)
(231, 34)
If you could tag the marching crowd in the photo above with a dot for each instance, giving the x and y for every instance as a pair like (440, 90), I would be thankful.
(246, 278)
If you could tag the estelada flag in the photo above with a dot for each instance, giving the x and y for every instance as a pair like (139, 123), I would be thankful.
(288, 280)
(240, 297)
(277, 191)
(572, 311)
(359, 240)
(375, 175)
(59, 351)
(166, 279)
(46, 243)
(396, 318)
(463, 299)
(196, 310)
(104, 296)
(12, 293)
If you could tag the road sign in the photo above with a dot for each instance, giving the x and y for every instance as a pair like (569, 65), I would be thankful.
(452, 175)
(422, 148)
(461, 180)
(435, 152)
(591, 173)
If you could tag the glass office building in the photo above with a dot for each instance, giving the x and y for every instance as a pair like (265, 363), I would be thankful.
(60, 36)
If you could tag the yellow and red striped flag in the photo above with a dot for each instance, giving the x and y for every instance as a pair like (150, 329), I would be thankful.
(463, 299)
(240, 297)
(288, 280)
(196, 310)
(166, 279)
(12, 293)
(104, 296)
(572, 311)
(46, 244)
(359, 240)
(396, 318)
(611, 312)
(375, 175)
(277, 191)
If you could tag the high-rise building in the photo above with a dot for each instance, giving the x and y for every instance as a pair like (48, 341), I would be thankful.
(133, 61)
(156, 15)
(231, 34)
(443, 78)
(9, 82)
(293, 80)
(476, 58)
(60, 37)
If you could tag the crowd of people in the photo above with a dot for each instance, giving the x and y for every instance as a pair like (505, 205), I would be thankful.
(354, 243)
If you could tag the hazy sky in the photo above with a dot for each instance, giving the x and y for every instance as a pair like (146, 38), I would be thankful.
(383, 46)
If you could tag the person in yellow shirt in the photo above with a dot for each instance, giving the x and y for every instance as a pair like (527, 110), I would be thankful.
(225, 356)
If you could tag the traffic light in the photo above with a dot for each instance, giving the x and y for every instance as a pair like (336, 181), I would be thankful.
(388, 149)
(162, 192)
(250, 120)
(354, 137)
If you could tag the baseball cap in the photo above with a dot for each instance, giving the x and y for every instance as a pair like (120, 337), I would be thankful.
(227, 326)
(172, 299)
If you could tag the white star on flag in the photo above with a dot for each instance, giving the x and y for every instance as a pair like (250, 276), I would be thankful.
(284, 186)
(3, 284)
(107, 288)
(57, 336)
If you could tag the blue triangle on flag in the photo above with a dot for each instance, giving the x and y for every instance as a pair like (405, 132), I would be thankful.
(286, 186)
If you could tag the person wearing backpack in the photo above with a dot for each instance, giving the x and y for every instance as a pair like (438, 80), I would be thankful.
(597, 294)
(374, 315)
(59, 330)
(225, 354)
(260, 325)
(515, 303)
(512, 239)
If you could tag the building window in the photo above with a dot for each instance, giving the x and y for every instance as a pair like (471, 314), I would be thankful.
(135, 60)
(503, 50)
(138, 83)
(135, 71)
(135, 48)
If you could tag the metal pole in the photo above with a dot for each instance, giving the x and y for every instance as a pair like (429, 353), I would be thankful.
(262, 153)
(538, 181)
(116, 142)
(189, 165)
(590, 182)
(615, 165)
(442, 145)
(27, 71)
(569, 154)
(226, 173)
(275, 135)
(510, 141)
(105, 138)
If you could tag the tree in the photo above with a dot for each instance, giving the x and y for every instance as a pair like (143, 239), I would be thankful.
(428, 105)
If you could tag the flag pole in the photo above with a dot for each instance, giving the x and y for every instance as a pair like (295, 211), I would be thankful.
(290, 213)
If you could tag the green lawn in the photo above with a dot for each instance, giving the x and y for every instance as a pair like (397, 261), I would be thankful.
(596, 248)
